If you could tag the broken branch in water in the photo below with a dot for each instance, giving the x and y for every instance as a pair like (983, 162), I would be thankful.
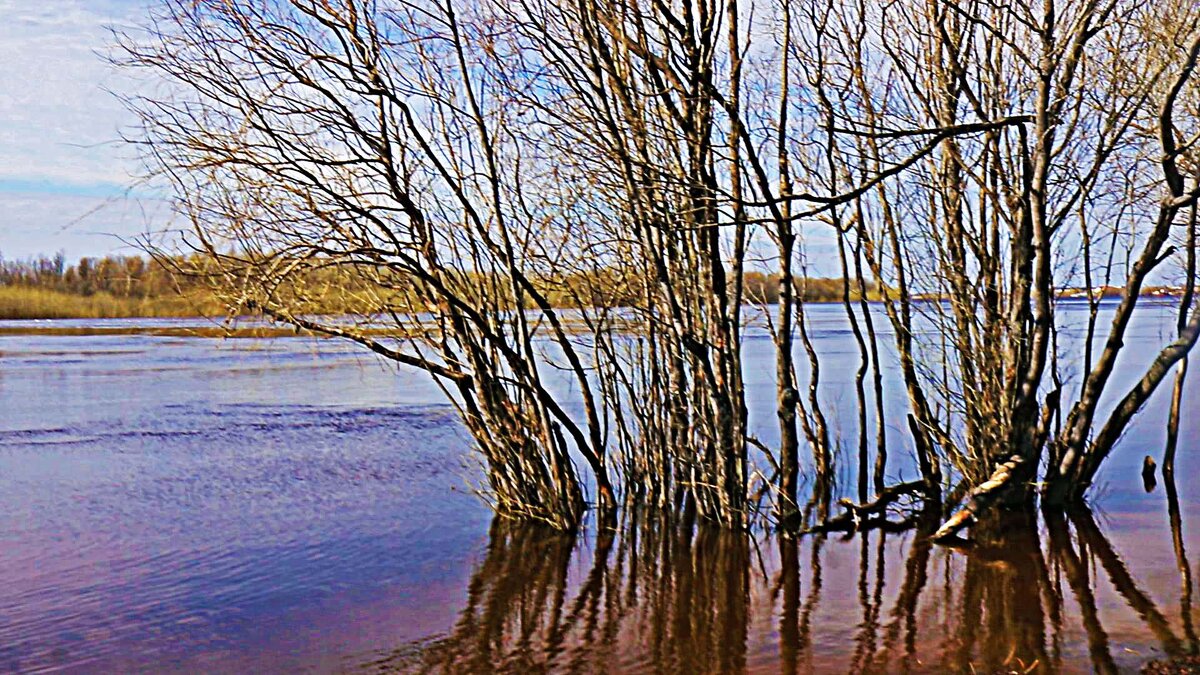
(873, 514)
(979, 498)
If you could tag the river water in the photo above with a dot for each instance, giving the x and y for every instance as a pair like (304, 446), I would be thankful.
(193, 504)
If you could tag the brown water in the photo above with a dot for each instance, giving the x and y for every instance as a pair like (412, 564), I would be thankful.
(187, 504)
(1066, 597)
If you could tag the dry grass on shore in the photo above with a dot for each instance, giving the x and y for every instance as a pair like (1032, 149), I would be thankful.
(21, 302)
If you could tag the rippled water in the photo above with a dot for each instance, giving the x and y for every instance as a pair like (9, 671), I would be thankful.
(196, 504)
(175, 503)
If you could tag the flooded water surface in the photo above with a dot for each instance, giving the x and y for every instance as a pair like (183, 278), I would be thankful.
(193, 504)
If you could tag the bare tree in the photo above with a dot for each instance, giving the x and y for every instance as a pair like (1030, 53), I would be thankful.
(364, 148)
(1048, 122)
(485, 182)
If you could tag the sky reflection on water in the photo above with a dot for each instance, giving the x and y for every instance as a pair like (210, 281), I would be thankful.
(176, 504)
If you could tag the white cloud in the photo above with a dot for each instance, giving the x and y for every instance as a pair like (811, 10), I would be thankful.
(59, 124)
(57, 121)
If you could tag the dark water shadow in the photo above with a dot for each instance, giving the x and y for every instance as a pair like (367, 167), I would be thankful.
(669, 597)
(674, 598)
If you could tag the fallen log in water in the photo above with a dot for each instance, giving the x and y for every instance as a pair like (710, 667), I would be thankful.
(982, 496)
(872, 514)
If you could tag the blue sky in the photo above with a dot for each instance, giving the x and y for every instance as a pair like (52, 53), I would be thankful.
(64, 177)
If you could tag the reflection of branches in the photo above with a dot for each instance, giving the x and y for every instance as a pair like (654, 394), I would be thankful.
(538, 564)
(687, 596)
(1003, 622)
(804, 630)
(684, 591)
(1091, 537)
(904, 613)
(1081, 585)
(1185, 570)
(513, 614)
(871, 603)
(660, 595)
(789, 615)
(587, 603)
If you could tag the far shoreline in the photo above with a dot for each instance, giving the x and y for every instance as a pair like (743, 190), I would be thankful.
(260, 327)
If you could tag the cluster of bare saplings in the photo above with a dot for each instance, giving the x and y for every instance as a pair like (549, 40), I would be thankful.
(446, 154)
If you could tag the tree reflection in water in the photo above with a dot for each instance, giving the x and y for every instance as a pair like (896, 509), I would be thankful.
(674, 597)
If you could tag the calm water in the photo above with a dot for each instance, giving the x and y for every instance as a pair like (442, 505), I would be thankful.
(194, 504)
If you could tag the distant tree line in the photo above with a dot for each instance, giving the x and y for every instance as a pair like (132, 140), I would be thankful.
(47, 287)
(122, 276)
(138, 277)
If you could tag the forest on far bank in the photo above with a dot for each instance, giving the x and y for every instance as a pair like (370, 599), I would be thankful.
(132, 286)
(110, 287)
